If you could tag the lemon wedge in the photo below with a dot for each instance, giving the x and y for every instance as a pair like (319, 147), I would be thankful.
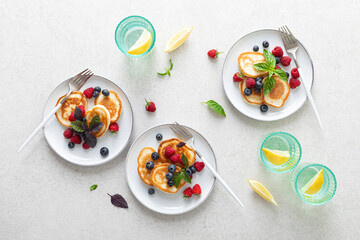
(315, 184)
(178, 39)
(142, 44)
(276, 157)
(260, 189)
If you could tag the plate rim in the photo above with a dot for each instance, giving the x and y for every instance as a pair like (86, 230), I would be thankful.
(222, 76)
(127, 176)
(107, 160)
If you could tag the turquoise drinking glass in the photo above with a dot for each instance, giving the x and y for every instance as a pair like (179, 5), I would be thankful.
(303, 173)
(281, 141)
(128, 32)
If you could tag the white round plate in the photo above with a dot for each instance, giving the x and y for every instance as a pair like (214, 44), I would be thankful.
(53, 130)
(161, 202)
(297, 96)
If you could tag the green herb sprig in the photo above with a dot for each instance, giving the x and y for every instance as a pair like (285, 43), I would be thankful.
(93, 187)
(216, 107)
(178, 176)
(167, 70)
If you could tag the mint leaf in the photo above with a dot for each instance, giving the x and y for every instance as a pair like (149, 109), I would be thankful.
(262, 66)
(77, 126)
(93, 187)
(270, 59)
(95, 119)
(268, 85)
(186, 177)
(281, 74)
(216, 107)
(185, 161)
(178, 176)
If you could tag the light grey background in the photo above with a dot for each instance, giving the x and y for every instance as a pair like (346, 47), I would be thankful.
(44, 42)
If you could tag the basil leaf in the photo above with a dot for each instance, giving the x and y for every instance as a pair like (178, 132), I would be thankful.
(118, 201)
(262, 66)
(85, 127)
(95, 119)
(77, 126)
(216, 107)
(270, 59)
(268, 85)
(171, 65)
(178, 176)
(78, 114)
(281, 74)
(185, 160)
(96, 127)
(186, 177)
(90, 139)
(93, 187)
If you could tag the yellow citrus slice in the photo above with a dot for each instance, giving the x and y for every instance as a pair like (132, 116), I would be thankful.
(260, 189)
(276, 157)
(142, 44)
(315, 184)
(178, 39)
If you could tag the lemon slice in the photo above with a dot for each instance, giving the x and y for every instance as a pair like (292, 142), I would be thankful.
(178, 39)
(260, 189)
(315, 184)
(276, 157)
(142, 44)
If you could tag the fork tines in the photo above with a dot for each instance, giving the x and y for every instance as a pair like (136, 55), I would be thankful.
(82, 77)
(287, 37)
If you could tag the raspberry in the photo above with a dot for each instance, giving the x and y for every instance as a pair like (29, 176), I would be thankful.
(82, 108)
(295, 73)
(277, 67)
(187, 193)
(294, 83)
(175, 158)
(85, 146)
(213, 53)
(285, 61)
(72, 117)
(76, 139)
(114, 127)
(238, 77)
(68, 133)
(250, 82)
(89, 92)
(199, 166)
(278, 52)
(196, 190)
(150, 106)
(169, 152)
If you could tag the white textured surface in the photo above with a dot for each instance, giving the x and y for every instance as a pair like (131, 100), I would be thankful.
(45, 42)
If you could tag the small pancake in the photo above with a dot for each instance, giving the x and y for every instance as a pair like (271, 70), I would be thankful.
(158, 178)
(279, 94)
(246, 62)
(254, 98)
(143, 158)
(104, 116)
(112, 103)
(172, 142)
(76, 98)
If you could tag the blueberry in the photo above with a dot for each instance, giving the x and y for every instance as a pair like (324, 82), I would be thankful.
(71, 145)
(169, 176)
(84, 120)
(154, 155)
(188, 172)
(172, 168)
(150, 165)
(257, 90)
(151, 191)
(96, 94)
(277, 60)
(98, 89)
(247, 91)
(264, 108)
(105, 92)
(258, 79)
(259, 84)
(265, 44)
(104, 151)
(256, 48)
(193, 169)
(170, 183)
(158, 136)
(287, 74)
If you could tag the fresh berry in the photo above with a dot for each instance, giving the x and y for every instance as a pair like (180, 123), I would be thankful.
(256, 48)
(294, 83)
(191, 176)
(264, 108)
(265, 44)
(277, 67)
(277, 52)
(104, 151)
(259, 79)
(196, 190)
(170, 183)
(85, 146)
(188, 172)
(155, 156)
(169, 176)
(151, 191)
(238, 77)
(295, 73)
(175, 158)
(150, 106)
(172, 168)
(68, 133)
(89, 92)
(199, 166)
(105, 92)
(72, 117)
(258, 85)
(96, 94)
(97, 89)
(193, 169)
(247, 91)
(287, 74)
(150, 165)
(71, 145)
(187, 192)
(76, 139)
(82, 108)
(114, 127)
(169, 152)
(285, 61)
(277, 60)
(250, 82)
(159, 137)
(213, 53)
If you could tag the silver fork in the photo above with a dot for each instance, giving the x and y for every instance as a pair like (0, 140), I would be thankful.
(74, 84)
(189, 139)
(291, 46)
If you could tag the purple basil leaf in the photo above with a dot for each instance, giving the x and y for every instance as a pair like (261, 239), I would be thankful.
(85, 127)
(118, 201)
(180, 144)
(78, 114)
(90, 139)
(96, 127)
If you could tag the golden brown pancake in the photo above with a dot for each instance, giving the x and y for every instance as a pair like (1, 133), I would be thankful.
(279, 94)
(143, 158)
(104, 116)
(112, 103)
(76, 98)
(189, 152)
(254, 98)
(158, 178)
(246, 62)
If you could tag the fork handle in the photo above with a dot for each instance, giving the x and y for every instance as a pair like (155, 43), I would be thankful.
(221, 180)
